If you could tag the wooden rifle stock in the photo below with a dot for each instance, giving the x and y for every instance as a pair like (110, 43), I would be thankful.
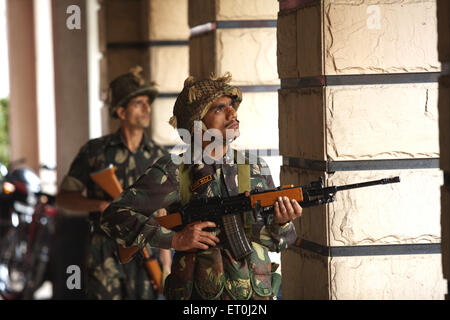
(170, 221)
(108, 181)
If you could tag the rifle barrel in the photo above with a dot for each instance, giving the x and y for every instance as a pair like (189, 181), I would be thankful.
(368, 183)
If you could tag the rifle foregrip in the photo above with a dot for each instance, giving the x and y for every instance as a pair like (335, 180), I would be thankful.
(267, 199)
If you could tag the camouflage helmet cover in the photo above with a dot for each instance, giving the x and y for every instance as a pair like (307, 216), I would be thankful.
(197, 96)
(128, 86)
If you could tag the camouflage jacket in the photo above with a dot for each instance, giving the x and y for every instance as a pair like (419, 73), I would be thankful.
(213, 272)
(107, 278)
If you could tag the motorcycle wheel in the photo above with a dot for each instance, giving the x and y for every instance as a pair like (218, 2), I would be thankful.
(22, 268)
(12, 263)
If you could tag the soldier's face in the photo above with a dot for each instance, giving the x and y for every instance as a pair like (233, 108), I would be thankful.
(223, 117)
(137, 112)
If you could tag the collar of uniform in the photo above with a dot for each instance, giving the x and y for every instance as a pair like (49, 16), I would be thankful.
(117, 139)
(230, 158)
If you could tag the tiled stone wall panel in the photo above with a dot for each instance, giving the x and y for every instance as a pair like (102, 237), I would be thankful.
(382, 122)
(120, 28)
(121, 60)
(287, 45)
(249, 54)
(405, 212)
(309, 41)
(202, 51)
(443, 16)
(246, 9)
(201, 11)
(169, 67)
(445, 230)
(444, 122)
(162, 132)
(308, 275)
(373, 37)
(313, 224)
(168, 20)
(258, 116)
(405, 277)
(204, 11)
(301, 123)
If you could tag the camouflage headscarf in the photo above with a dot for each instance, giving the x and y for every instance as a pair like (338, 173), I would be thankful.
(128, 86)
(197, 97)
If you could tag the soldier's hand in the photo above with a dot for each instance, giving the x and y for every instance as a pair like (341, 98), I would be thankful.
(193, 237)
(286, 210)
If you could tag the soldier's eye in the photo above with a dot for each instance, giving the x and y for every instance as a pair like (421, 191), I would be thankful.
(219, 108)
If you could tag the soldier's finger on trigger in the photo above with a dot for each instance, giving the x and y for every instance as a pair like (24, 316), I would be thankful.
(209, 235)
(208, 241)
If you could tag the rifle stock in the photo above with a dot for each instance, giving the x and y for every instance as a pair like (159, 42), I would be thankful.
(170, 221)
(108, 181)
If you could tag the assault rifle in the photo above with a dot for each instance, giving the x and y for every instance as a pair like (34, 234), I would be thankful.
(108, 181)
(225, 212)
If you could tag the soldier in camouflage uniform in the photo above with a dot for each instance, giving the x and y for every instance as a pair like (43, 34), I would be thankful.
(131, 151)
(203, 266)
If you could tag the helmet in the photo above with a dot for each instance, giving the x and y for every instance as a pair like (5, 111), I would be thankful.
(126, 87)
(197, 96)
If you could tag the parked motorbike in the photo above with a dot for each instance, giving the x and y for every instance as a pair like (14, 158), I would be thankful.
(26, 228)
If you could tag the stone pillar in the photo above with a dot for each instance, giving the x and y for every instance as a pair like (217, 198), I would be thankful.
(72, 131)
(443, 11)
(71, 86)
(23, 123)
(240, 37)
(358, 102)
(168, 34)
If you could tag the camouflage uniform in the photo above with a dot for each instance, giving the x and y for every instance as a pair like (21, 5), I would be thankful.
(107, 278)
(211, 273)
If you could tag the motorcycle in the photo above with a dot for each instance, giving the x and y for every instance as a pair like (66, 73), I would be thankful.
(27, 224)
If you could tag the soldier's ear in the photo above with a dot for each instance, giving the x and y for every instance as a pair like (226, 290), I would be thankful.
(120, 111)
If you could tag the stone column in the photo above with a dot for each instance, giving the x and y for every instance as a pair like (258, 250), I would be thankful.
(72, 131)
(71, 87)
(358, 102)
(443, 11)
(240, 37)
(23, 123)
(168, 34)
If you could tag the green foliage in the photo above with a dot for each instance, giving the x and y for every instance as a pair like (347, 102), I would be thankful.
(4, 132)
